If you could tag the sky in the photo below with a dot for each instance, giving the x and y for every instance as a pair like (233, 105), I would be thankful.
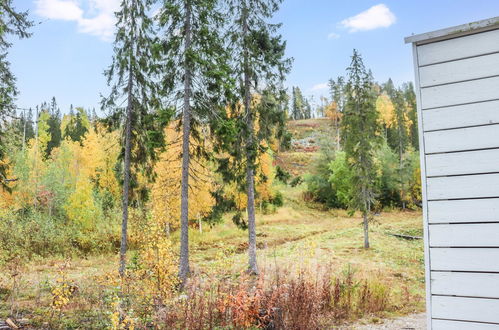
(71, 44)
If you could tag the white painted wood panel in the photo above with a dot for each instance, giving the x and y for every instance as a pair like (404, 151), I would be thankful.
(478, 234)
(462, 139)
(469, 186)
(459, 93)
(470, 162)
(452, 49)
(483, 285)
(459, 325)
(466, 309)
(456, 71)
(465, 259)
(482, 113)
(423, 188)
(472, 210)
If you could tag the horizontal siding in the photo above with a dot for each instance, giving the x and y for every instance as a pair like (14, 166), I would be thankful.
(455, 71)
(464, 92)
(465, 259)
(465, 309)
(453, 49)
(465, 284)
(483, 113)
(462, 139)
(482, 235)
(471, 162)
(459, 325)
(473, 210)
(470, 186)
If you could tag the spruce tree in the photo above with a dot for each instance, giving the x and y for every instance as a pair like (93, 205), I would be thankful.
(259, 65)
(298, 105)
(132, 102)
(360, 137)
(194, 72)
(17, 24)
(54, 127)
(76, 125)
(402, 123)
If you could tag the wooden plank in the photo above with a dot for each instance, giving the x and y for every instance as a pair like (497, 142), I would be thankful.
(470, 162)
(482, 113)
(459, 325)
(468, 186)
(484, 285)
(453, 49)
(466, 309)
(472, 210)
(470, 235)
(465, 259)
(462, 139)
(457, 71)
(459, 93)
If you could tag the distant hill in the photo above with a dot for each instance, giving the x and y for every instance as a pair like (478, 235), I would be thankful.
(308, 137)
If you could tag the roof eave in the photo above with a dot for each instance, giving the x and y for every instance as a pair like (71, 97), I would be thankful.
(455, 31)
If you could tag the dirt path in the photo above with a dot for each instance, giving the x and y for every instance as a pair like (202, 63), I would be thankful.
(410, 322)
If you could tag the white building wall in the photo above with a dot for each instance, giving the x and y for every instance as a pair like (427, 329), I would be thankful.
(457, 81)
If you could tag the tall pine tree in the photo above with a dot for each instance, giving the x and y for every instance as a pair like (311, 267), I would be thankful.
(133, 77)
(259, 66)
(360, 137)
(12, 23)
(194, 71)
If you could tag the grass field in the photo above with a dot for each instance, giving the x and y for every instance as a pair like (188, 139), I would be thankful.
(296, 237)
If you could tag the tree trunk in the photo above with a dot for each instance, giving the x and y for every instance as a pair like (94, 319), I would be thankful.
(366, 230)
(402, 186)
(365, 215)
(250, 177)
(167, 230)
(186, 122)
(126, 176)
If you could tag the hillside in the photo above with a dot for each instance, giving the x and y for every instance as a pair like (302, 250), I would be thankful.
(308, 137)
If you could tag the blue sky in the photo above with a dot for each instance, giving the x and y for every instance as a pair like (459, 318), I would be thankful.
(72, 44)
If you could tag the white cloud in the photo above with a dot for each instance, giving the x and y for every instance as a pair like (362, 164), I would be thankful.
(98, 19)
(333, 35)
(375, 17)
(318, 87)
(57, 9)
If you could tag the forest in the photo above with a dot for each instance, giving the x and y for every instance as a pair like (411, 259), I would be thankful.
(206, 193)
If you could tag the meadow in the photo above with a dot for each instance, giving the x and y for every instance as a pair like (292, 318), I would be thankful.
(299, 245)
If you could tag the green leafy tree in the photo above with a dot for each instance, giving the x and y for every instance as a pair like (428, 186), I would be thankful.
(360, 136)
(412, 113)
(133, 76)
(341, 179)
(194, 73)
(12, 23)
(259, 66)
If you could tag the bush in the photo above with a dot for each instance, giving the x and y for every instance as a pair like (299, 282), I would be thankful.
(296, 181)
(31, 234)
(283, 301)
(282, 175)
